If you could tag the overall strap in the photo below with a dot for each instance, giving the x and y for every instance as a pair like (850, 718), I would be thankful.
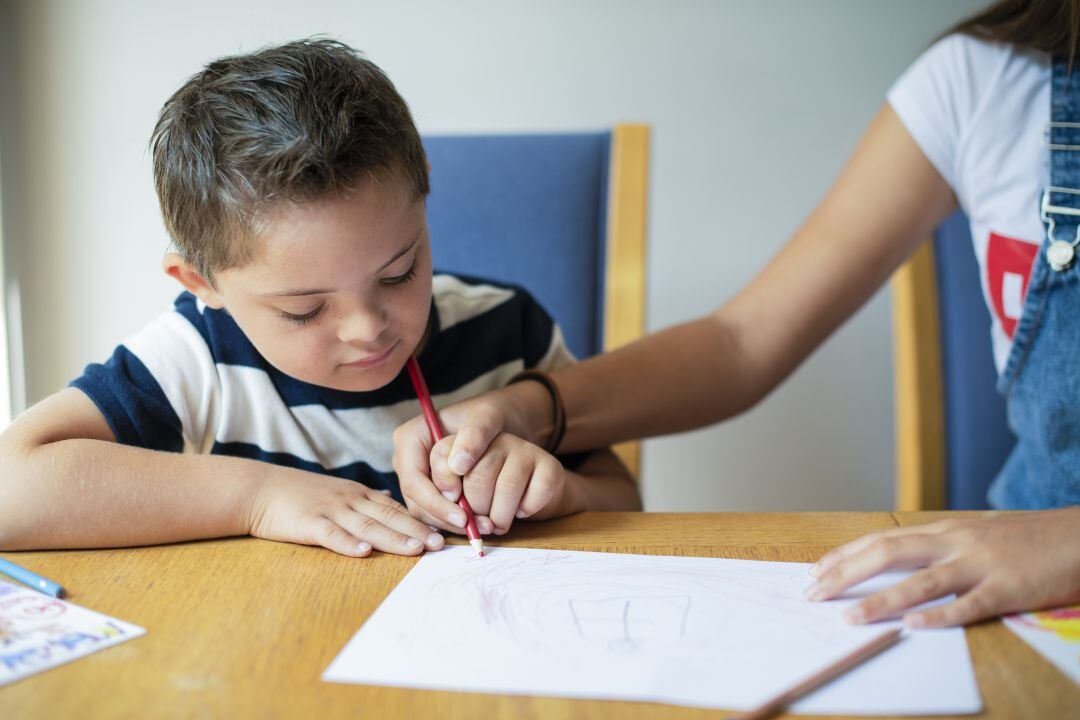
(1060, 206)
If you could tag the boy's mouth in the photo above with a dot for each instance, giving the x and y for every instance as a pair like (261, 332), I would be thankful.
(373, 360)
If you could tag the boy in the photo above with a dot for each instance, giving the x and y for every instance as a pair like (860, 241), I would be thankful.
(292, 181)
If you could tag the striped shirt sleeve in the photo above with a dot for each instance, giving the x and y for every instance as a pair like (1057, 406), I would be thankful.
(159, 388)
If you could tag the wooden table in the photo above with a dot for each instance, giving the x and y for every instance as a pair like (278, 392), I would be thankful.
(244, 628)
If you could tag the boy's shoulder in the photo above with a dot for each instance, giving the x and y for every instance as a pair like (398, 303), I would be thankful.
(459, 298)
(494, 320)
(224, 339)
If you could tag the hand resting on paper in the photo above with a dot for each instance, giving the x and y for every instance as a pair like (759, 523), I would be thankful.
(996, 565)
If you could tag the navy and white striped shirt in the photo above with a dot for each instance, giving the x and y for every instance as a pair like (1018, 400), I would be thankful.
(191, 381)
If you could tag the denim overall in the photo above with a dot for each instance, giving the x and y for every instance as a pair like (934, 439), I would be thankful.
(1041, 380)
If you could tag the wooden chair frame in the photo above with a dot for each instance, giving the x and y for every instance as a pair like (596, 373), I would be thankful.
(624, 272)
(919, 388)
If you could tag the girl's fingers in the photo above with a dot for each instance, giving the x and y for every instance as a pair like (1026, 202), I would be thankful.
(482, 425)
(546, 479)
(509, 488)
(923, 586)
(334, 537)
(980, 603)
(843, 552)
(479, 485)
(885, 552)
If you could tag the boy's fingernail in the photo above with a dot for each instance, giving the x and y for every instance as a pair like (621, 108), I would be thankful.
(413, 543)
(484, 525)
(461, 462)
(814, 593)
(433, 528)
(385, 492)
(434, 540)
(855, 615)
(813, 570)
(452, 497)
(457, 519)
(519, 514)
(363, 547)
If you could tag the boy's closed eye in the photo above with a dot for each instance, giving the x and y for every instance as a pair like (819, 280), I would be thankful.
(303, 318)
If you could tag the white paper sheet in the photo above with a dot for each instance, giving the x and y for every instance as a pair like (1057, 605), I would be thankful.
(688, 631)
(1055, 634)
(38, 632)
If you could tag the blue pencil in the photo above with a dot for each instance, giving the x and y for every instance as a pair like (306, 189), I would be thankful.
(32, 579)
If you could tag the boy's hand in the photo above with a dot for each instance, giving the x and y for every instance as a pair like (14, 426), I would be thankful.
(513, 479)
(997, 565)
(341, 515)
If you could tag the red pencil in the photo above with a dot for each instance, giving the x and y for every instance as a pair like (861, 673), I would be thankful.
(435, 427)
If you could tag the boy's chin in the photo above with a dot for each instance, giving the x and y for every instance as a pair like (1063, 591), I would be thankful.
(354, 379)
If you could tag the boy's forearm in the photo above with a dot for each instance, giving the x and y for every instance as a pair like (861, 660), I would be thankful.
(94, 493)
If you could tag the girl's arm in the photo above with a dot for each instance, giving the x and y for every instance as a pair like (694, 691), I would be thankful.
(887, 200)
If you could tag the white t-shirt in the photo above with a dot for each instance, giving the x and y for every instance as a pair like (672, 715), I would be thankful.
(979, 111)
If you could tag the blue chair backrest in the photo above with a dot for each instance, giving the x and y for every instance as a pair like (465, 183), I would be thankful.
(977, 436)
(529, 210)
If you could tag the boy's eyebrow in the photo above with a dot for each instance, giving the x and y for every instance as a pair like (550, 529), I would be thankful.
(403, 250)
(321, 291)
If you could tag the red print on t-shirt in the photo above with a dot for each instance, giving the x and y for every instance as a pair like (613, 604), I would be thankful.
(1008, 268)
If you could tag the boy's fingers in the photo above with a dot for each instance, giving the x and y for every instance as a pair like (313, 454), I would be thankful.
(884, 553)
(333, 537)
(923, 586)
(482, 425)
(383, 497)
(415, 533)
(427, 499)
(380, 536)
(445, 479)
(542, 487)
(434, 523)
(420, 493)
(510, 486)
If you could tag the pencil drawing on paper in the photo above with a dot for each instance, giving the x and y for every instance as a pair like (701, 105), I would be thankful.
(546, 603)
(700, 631)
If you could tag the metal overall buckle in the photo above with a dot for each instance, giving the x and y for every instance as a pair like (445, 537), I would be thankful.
(1060, 253)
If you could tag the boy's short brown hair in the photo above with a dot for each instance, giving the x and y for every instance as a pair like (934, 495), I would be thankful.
(296, 122)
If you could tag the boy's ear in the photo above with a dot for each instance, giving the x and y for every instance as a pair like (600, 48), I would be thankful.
(176, 266)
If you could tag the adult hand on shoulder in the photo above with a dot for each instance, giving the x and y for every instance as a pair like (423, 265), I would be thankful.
(996, 565)
(341, 515)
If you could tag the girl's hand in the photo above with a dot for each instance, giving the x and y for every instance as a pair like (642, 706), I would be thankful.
(341, 515)
(996, 565)
(513, 479)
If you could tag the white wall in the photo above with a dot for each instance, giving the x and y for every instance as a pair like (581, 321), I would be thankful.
(754, 106)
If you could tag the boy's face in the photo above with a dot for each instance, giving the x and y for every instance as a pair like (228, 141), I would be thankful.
(339, 292)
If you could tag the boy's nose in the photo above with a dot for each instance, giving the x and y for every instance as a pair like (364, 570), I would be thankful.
(362, 324)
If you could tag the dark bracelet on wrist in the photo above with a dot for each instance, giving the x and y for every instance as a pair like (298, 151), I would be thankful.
(558, 423)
